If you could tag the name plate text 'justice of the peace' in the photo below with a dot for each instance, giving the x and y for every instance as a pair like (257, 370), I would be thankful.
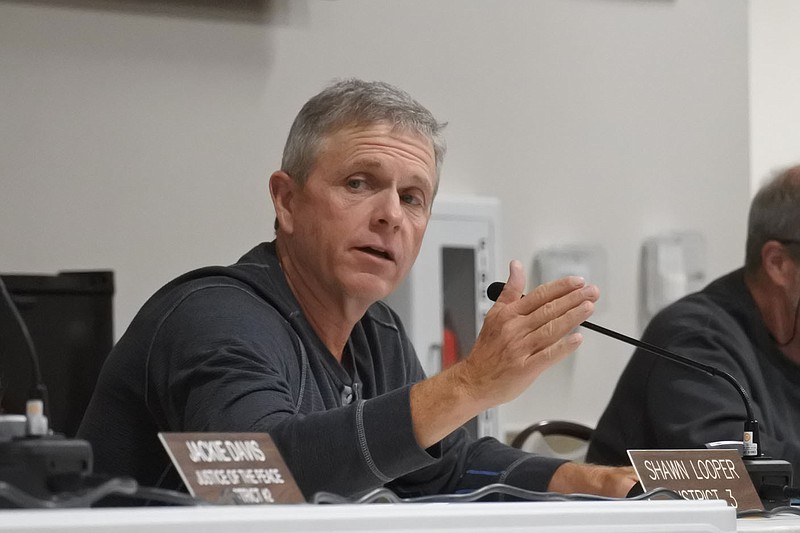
(232, 468)
(697, 475)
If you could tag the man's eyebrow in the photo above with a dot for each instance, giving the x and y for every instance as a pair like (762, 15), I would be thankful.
(368, 162)
(373, 163)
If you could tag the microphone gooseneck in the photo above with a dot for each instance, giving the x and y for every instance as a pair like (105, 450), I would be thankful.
(36, 416)
(751, 440)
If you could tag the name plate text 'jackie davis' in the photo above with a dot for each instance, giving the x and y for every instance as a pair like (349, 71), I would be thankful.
(232, 468)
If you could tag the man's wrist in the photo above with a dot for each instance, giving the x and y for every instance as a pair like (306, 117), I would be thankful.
(439, 405)
(463, 383)
(578, 478)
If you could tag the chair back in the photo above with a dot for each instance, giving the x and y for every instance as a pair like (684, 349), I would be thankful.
(555, 438)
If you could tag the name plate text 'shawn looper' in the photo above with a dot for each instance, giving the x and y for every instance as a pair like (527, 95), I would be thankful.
(697, 475)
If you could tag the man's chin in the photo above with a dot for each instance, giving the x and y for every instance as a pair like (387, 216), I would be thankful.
(371, 289)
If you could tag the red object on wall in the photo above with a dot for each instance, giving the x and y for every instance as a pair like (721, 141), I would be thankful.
(450, 351)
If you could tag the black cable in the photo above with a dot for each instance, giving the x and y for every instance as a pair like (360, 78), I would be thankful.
(171, 497)
(753, 513)
(685, 361)
(37, 373)
(38, 383)
(386, 495)
(794, 327)
(87, 497)
(69, 500)
(379, 495)
(147, 494)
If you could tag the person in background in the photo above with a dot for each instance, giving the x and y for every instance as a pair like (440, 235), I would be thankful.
(745, 323)
(293, 340)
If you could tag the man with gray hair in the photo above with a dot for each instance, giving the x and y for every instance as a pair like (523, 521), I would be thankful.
(745, 323)
(293, 340)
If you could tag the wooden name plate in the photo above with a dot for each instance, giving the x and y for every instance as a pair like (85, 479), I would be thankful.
(232, 468)
(697, 475)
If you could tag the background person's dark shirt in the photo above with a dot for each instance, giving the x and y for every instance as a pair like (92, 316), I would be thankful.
(659, 404)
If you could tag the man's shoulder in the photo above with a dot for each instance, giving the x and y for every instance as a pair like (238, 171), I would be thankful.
(720, 302)
(200, 284)
(718, 325)
(254, 281)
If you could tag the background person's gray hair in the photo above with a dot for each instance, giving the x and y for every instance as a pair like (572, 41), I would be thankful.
(355, 102)
(774, 215)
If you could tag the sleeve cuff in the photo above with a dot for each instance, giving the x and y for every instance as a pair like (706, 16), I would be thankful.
(386, 435)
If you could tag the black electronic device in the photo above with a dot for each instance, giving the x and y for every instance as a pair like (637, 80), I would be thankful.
(69, 317)
(36, 465)
(43, 466)
(769, 476)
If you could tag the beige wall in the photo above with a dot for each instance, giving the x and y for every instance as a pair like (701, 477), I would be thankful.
(139, 137)
(774, 81)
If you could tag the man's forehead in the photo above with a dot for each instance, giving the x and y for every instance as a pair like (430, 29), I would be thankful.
(398, 129)
(334, 137)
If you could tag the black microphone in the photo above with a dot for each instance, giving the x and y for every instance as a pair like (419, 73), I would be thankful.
(36, 417)
(37, 467)
(751, 441)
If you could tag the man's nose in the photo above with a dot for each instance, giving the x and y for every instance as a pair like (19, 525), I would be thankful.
(389, 212)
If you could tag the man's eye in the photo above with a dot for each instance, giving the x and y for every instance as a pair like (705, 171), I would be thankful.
(355, 184)
(410, 199)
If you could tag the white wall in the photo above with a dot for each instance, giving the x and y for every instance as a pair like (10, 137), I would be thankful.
(139, 138)
(774, 82)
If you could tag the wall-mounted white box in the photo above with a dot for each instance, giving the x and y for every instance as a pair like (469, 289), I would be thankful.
(457, 261)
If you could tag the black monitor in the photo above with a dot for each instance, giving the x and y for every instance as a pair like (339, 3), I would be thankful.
(70, 319)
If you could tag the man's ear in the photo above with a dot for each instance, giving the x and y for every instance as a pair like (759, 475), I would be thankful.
(283, 188)
(777, 264)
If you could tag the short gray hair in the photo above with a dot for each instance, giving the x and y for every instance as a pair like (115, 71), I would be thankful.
(355, 102)
(774, 216)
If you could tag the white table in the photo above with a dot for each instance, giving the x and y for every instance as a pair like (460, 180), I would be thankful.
(777, 524)
(538, 517)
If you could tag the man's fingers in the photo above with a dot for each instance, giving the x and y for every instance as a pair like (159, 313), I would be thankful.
(549, 292)
(551, 311)
(512, 291)
(548, 352)
(523, 336)
(553, 339)
(576, 305)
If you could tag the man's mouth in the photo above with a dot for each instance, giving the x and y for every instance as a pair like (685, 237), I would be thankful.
(377, 252)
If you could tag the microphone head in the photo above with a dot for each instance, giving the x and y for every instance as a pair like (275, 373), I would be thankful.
(494, 289)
